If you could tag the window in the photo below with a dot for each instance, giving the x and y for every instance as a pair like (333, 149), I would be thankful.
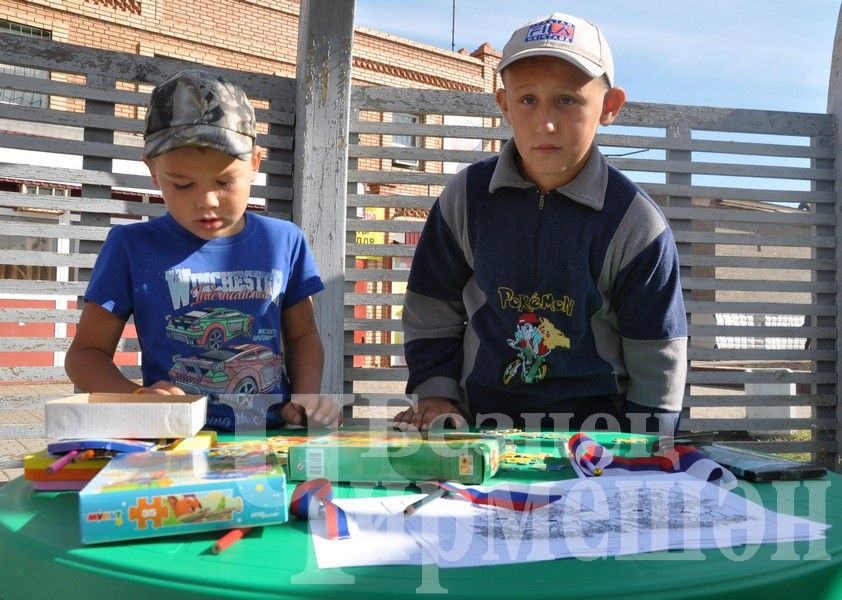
(406, 141)
(8, 96)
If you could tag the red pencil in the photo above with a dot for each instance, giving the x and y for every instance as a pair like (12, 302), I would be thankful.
(229, 538)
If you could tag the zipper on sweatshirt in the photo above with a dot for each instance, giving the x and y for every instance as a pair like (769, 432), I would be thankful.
(537, 262)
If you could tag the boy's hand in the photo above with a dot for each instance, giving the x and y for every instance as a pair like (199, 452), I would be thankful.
(163, 388)
(312, 410)
(429, 412)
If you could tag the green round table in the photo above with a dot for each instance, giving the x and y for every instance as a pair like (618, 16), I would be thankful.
(41, 557)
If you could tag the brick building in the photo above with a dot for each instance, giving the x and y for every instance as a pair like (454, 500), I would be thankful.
(224, 33)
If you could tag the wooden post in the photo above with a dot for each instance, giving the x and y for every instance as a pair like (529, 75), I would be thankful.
(834, 107)
(683, 133)
(95, 163)
(320, 174)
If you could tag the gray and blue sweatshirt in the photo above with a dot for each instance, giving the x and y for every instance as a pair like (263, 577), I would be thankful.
(519, 300)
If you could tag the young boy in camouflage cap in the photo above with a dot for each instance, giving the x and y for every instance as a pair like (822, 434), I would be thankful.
(221, 298)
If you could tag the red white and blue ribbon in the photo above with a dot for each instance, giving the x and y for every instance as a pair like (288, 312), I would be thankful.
(500, 497)
(594, 460)
(314, 497)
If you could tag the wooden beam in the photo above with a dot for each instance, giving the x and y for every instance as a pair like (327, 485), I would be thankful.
(834, 108)
(320, 172)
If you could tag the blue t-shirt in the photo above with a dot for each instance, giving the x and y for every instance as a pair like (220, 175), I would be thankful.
(208, 312)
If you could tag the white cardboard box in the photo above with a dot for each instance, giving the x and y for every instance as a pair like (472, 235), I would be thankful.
(137, 416)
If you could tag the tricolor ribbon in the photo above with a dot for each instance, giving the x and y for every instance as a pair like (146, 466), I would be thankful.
(311, 498)
(500, 498)
(594, 460)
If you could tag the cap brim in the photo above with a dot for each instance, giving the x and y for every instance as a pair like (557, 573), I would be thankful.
(588, 66)
(226, 141)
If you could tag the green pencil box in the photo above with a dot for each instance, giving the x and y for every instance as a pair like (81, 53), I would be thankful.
(397, 457)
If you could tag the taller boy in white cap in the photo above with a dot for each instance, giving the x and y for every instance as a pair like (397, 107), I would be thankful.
(544, 290)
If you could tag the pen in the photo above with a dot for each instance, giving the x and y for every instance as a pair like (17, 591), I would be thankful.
(229, 538)
(52, 468)
(437, 493)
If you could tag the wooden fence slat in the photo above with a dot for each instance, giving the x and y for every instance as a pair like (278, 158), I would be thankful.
(759, 424)
(376, 275)
(775, 308)
(758, 400)
(24, 375)
(373, 325)
(741, 377)
(725, 215)
(704, 237)
(54, 344)
(390, 201)
(697, 283)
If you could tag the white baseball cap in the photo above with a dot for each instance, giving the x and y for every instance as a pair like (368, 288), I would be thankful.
(569, 38)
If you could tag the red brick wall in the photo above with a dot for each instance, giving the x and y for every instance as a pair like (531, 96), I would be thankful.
(245, 34)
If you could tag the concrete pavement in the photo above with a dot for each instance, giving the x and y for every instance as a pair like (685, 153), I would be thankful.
(22, 421)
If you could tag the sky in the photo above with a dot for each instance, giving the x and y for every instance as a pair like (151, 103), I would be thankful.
(764, 54)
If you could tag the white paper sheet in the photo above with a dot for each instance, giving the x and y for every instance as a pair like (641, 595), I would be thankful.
(596, 517)
(378, 536)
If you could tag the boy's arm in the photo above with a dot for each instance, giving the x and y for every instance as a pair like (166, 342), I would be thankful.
(90, 360)
(434, 315)
(434, 320)
(304, 359)
(651, 314)
(304, 354)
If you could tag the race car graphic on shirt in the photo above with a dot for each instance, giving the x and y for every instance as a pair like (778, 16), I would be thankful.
(535, 337)
(238, 369)
(210, 327)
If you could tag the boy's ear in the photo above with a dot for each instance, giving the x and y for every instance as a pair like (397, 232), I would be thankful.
(148, 162)
(256, 158)
(612, 102)
(502, 102)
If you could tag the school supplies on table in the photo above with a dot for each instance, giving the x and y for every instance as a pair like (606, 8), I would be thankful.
(65, 465)
(102, 445)
(76, 462)
(592, 459)
(149, 494)
(277, 445)
(314, 499)
(36, 467)
(61, 485)
(393, 456)
(61, 461)
(754, 466)
(230, 538)
(141, 416)
(434, 495)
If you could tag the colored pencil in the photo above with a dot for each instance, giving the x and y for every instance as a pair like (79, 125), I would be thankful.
(62, 461)
(229, 538)
(437, 493)
(87, 454)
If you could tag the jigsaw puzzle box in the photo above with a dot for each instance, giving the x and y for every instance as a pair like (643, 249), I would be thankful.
(151, 494)
(397, 456)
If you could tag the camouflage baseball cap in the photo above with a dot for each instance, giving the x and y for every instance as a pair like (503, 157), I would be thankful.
(195, 108)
